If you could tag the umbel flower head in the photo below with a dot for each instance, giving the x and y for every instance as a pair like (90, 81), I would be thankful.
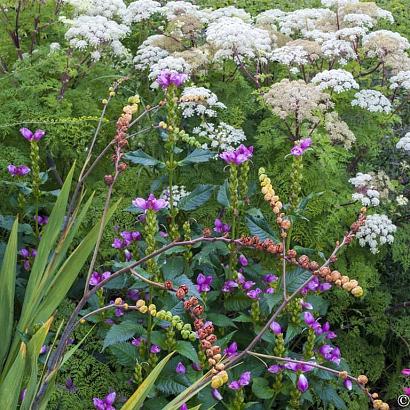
(30, 136)
(150, 203)
(238, 156)
(169, 77)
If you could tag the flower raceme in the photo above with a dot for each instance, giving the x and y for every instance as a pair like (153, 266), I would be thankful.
(238, 156)
(301, 147)
(150, 203)
(167, 78)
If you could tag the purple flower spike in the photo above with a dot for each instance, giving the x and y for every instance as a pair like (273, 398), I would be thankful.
(136, 341)
(220, 227)
(229, 286)
(167, 78)
(348, 384)
(308, 318)
(180, 369)
(150, 203)
(275, 327)
(238, 156)
(296, 151)
(231, 350)
(106, 403)
(203, 283)
(216, 395)
(302, 383)
(243, 381)
(155, 349)
(97, 278)
(242, 260)
(29, 136)
(300, 148)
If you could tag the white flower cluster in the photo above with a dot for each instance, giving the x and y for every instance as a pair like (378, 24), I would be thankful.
(339, 131)
(106, 8)
(269, 18)
(376, 231)
(358, 20)
(337, 80)
(148, 54)
(199, 101)
(402, 200)
(365, 192)
(372, 100)
(401, 80)
(222, 137)
(96, 31)
(290, 55)
(340, 50)
(404, 143)
(381, 43)
(174, 9)
(178, 192)
(233, 38)
(55, 47)
(141, 10)
(174, 64)
(338, 3)
(230, 11)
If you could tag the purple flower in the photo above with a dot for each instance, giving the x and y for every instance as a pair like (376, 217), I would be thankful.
(238, 156)
(128, 255)
(41, 219)
(168, 77)
(308, 318)
(29, 136)
(106, 403)
(243, 380)
(19, 170)
(242, 260)
(330, 353)
(24, 252)
(275, 368)
(203, 283)
(231, 350)
(306, 305)
(348, 384)
(248, 285)
(216, 395)
(220, 227)
(43, 349)
(254, 293)
(136, 341)
(229, 286)
(118, 243)
(183, 407)
(269, 278)
(406, 391)
(97, 278)
(133, 294)
(323, 287)
(69, 385)
(270, 290)
(23, 394)
(302, 383)
(405, 372)
(295, 367)
(155, 349)
(275, 327)
(150, 203)
(180, 369)
(303, 145)
(296, 151)
(196, 366)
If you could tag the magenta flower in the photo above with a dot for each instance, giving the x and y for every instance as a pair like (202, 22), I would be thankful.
(41, 219)
(275, 368)
(184, 407)
(220, 227)
(180, 369)
(243, 381)
(269, 278)
(18, 170)
(203, 283)
(348, 384)
(309, 318)
(44, 349)
(296, 151)
(306, 305)
(305, 143)
(302, 383)
(242, 260)
(405, 372)
(27, 255)
(97, 278)
(229, 286)
(248, 284)
(300, 148)
(155, 349)
(238, 156)
(106, 403)
(137, 341)
(30, 136)
(406, 391)
(298, 367)
(133, 294)
(231, 350)
(330, 353)
(254, 293)
(216, 394)
(275, 327)
(168, 77)
(150, 203)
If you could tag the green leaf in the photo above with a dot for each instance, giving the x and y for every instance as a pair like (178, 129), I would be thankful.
(295, 279)
(140, 157)
(261, 389)
(223, 194)
(197, 156)
(122, 332)
(7, 280)
(137, 399)
(126, 354)
(291, 332)
(258, 226)
(173, 266)
(329, 396)
(169, 386)
(221, 320)
(186, 349)
(272, 300)
(71, 352)
(196, 198)
(11, 384)
(237, 302)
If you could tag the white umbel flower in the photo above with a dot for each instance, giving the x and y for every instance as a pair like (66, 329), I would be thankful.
(365, 192)
(340, 50)
(404, 143)
(400, 80)
(141, 10)
(199, 101)
(178, 192)
(372, 100)
(230, 11)
(289, 55)
(337, 80)
(147, 55)
(106, 8)
(381, 43)
(377, 230)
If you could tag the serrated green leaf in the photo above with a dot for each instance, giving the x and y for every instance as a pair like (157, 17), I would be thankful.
(197, 156)
(237, 302)
(169, 386)
(261, 389)
(223, 194)
(199, 196)
(122, 332)
(292, 331)
(295, 279)
(140, 157)
(258, 226)
(126, 354)
(186, 349)
(221, 320)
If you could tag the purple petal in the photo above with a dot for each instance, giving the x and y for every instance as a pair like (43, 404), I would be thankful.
(275, 327)
(348, 384)
(26, 133)
(302, 383)
(110, 398)
(216, 394)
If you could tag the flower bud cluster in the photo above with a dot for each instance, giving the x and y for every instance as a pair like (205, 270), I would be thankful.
(343, 281)
(180, 135)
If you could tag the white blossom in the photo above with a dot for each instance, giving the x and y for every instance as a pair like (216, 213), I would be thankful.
(402, 200)
(141, 10)
(372, 100)
(337, 80)
(358, 19)
(199, 101)
(366, 193)
(178, 192)
(269, 18)
(338, 3)
(289, 55)
(401, 80)
(230, 11)
(404, 143)
(174, 9)
(54, 47)
(106, 8)
(377, 230)
(221, 137)
(147, 55)
(341, 50)
(232, 38)
(350, 33)
(384, 42)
